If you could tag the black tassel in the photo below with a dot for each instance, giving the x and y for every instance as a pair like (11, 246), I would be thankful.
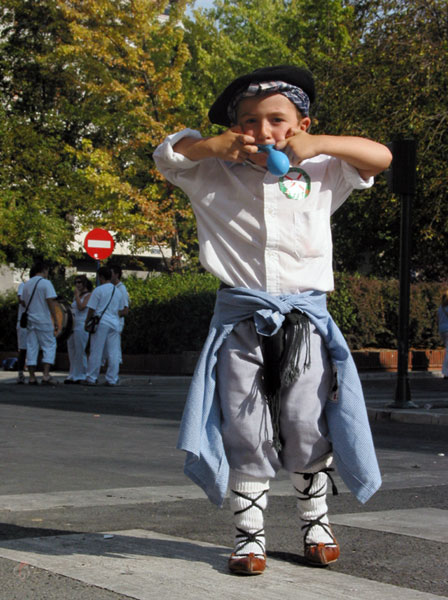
(281, 357)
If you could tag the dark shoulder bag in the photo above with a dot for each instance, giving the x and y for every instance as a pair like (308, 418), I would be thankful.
(24, 317)
(92, 324)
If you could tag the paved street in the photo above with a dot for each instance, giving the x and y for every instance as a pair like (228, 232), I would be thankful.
(94, 504)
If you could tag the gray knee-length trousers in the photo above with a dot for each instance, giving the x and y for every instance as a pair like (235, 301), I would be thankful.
(246, 422)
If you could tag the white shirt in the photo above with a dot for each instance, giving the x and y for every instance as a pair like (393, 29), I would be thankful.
(21, 307)
(257, 230)
(123, 291)
(39, 316)
(79, 316)
(99, 300)
(120, 287)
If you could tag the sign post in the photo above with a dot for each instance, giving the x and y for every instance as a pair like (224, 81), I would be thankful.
(99, 244)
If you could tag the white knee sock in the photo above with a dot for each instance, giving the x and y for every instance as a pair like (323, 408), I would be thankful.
(248, 499)
(312, 505)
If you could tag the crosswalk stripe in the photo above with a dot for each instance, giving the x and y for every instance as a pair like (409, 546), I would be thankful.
(145, 565)
(426, 523)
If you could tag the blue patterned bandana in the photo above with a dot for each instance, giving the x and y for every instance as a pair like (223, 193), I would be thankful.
(295, 94)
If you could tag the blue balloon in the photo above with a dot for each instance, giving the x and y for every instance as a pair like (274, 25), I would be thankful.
(278, 162)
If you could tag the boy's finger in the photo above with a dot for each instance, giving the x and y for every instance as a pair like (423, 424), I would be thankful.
(289, 134)
(251, 149)
(247, 139)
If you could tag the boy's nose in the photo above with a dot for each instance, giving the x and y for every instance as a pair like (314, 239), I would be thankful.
(264, 131)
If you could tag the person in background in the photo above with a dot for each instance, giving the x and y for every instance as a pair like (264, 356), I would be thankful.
(107, 304)
(442, 317)
(77, 342)
(21, 337)
(39, 297)
(117, 273)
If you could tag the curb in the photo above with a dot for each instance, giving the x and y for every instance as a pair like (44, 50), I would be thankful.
(410, 416)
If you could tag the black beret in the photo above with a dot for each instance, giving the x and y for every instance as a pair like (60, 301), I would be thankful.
(287, 73)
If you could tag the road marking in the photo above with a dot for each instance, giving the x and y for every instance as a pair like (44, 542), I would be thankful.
(145, 565)
(174, 493)
(425, 523)
(108, 497)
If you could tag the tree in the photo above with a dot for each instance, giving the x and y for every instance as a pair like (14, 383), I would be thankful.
(91, 87)
(398, 66)
(380, 69)
(233, 38)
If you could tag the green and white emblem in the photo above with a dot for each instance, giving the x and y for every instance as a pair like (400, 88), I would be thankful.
(296, 184)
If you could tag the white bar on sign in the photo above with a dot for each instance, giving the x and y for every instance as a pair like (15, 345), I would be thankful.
(98, 244)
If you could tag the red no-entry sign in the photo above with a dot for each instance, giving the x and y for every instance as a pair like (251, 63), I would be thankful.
(99, 244)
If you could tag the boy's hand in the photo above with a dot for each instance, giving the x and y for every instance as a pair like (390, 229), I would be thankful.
(298, 145)
(233, 145)
(367, 156)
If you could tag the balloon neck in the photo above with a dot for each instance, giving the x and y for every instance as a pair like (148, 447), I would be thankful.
(265, 147)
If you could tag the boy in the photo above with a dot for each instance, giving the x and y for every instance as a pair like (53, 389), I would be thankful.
(264, 391)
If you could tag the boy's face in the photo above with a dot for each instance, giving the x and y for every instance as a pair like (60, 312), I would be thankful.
(269, 119)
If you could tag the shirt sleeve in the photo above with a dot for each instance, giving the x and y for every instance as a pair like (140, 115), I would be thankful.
(343, 180)
(50, 292)
(177, 168)
(353, 177)
(124, 293)
(93, 300)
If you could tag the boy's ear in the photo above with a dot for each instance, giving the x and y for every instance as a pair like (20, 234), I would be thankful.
(305, 123)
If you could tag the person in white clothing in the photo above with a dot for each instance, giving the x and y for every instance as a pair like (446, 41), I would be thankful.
(107, 304)
(117, 273)
(270, 232)
(77, 342)
(39, 298)
(21, 337)
(121, 288)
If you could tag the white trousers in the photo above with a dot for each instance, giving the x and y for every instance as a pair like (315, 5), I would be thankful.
(76, 346)
(38, 338)
(21, 337)
(246, 423)
(105, 341)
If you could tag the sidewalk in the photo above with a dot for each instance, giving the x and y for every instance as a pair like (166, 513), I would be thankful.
(428, 404)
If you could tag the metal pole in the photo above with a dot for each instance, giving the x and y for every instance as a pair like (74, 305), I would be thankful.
(402, 391)
(403, 183)
(98, 265)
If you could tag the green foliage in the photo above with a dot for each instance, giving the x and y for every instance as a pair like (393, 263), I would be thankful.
(171, 313)
(8, 319)
(393, 85)
(88, 88)
(87, 91)
(380, 70)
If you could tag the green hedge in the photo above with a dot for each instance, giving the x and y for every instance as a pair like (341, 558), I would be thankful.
(171, 313)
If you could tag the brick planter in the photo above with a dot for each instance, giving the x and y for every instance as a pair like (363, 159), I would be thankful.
(386, 360)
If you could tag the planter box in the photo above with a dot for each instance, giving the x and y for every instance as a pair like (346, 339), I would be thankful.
(386, 360)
